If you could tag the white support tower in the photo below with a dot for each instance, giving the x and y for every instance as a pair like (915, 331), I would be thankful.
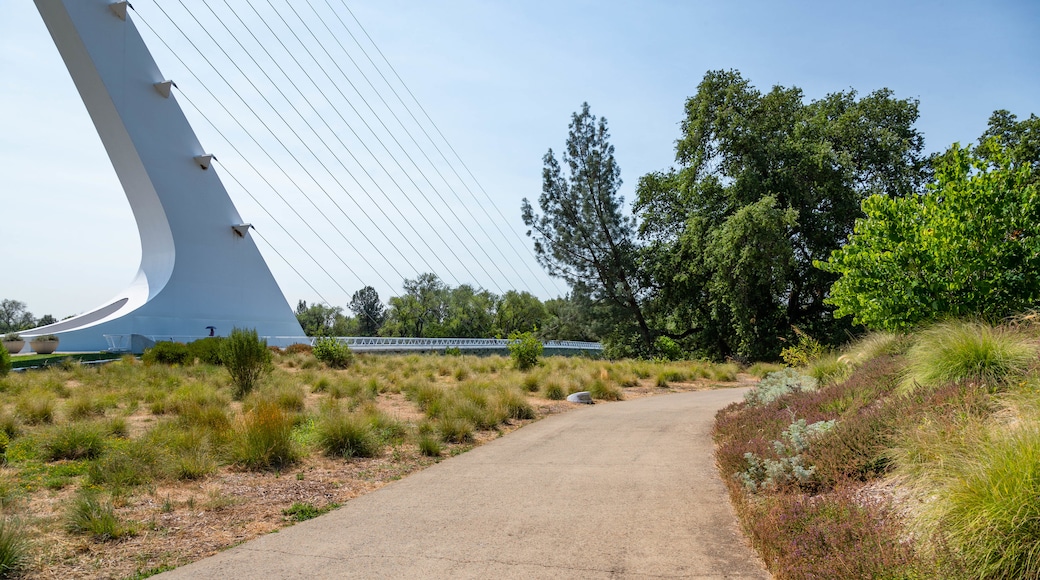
(199, 265)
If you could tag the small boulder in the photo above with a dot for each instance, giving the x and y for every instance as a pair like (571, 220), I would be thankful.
(582, 397)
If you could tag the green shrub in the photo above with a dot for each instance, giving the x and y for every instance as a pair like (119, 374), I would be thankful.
(89, 514)
(667, 348)
(74, 441)
(14, 549)
(263, 439)
(807, 350)
(246, 358)
(332, 352)
(207, 350)
(452, 351)
(968, 351)
(347, 435)
(167, 353)
(5, 361)
(524, 349)
(778, 384)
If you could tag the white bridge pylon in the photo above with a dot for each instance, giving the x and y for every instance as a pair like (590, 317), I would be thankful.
(199, 265)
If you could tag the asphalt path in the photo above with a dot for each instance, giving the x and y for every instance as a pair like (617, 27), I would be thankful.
(619, 490)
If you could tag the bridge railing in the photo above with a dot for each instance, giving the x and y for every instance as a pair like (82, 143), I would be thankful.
(131, 343)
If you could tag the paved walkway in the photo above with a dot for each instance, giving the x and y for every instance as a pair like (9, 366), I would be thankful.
(621, 490)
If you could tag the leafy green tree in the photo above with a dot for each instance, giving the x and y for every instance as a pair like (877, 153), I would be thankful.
(582, 234)
(468, 313)
(369, 310)
(319, 319)
(968, 247)
(766, 185)
(570, 318)
(14, 316)
(518, 312)
(417, 311)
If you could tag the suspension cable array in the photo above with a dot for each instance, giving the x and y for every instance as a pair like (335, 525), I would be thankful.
(344, 168)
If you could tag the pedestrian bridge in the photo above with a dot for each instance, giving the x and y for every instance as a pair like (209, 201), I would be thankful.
(136, 343)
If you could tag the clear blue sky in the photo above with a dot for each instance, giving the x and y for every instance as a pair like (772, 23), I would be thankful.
(501, 80)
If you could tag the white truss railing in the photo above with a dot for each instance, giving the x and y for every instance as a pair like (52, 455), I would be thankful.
(124, 343)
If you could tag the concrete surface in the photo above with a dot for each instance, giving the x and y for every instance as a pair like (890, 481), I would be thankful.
(621, 490)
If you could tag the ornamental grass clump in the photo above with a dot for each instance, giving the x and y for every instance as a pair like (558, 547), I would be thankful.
(988, 514)
(90, 514)
(14, 548)
(969, 351)
(347, 435)
(263, 439)
(74, 441)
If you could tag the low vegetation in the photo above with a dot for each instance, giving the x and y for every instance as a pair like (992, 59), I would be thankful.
(135, 465)
(901, 457)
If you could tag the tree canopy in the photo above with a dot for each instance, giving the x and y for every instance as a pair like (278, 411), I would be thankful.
(969, 246)
(766, 185)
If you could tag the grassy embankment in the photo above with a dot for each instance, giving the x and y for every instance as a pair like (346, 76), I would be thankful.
(901, 457)
(129, 468)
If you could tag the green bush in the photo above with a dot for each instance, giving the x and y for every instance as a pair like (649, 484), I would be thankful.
(263, 439)
(969, 351)
(347, 435)
(332, 352)
(667, 348)
(14, 549)
(5, 362)
(246, 358)
(524, 349)
(167, 353)
(89, 514)
(207, 350)
(807, 350)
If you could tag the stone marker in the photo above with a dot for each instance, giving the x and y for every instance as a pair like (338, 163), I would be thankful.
(582, 397)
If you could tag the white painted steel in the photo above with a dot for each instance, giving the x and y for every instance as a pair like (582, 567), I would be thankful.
(199, 267)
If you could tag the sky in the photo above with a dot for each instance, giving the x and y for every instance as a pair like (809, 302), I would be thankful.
(500, 80)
